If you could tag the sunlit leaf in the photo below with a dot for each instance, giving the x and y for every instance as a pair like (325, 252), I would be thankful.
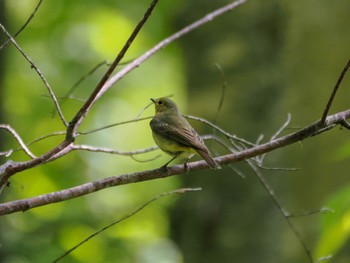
(335, 227)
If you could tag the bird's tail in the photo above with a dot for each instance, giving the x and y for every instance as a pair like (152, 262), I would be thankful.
(210, 161)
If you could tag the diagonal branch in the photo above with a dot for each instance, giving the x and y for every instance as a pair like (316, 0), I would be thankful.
(177, 191)
(79, 117)
(24, 25)
(41, 75)
(19, 139)
(280, 208)
(334, 92)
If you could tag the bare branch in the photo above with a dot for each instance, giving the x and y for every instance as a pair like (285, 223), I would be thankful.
(46, 83)
(114, 124)
(219, 141)
(324, 210)
(282, 128)
(222, 131)
(84, 189)
(92, 71)
(10, 168)
(280, 208)
(24, 26)
(111, 151)
(19, 139)
(334, 92)
(286, 169)
(145, 160)
(279, 131)
(58, 133)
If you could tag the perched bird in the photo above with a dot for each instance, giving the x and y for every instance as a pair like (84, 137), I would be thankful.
(174, 135)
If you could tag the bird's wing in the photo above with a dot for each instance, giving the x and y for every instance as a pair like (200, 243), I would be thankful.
(185, 136)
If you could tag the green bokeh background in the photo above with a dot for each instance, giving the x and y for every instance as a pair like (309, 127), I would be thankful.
(278, 57)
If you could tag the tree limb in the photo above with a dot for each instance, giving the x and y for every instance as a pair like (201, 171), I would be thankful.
(87, 188)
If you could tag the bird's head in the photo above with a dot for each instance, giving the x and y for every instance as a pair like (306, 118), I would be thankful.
(165, 105)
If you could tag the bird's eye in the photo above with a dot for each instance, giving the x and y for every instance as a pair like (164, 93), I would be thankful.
(160, 102)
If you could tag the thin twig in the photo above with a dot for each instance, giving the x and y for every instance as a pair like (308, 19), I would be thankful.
(222, 131)
(38, 71)
(24, 26)
(285, 169)
(334, 92)
(219, 141)
(282, 128)
(58, 133)
(145, 160)
(92, 71)
(324, 210)
(18, 138)
(113, 125)
(177, 191)
(280, 208)
(91, 148)
(144, 108)
(223, 89)
(7, 153)
(79, 81)
(279, 131)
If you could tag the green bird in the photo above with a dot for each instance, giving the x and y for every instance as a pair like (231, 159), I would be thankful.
(174, 135)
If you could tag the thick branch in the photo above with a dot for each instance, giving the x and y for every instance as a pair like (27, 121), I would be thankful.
(10, 168)
(311, 130)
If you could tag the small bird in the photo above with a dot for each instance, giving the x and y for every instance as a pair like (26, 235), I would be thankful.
(174, 135)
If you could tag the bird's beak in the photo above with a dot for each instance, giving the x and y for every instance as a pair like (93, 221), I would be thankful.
(153, 100)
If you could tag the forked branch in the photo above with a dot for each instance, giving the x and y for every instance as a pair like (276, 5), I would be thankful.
(9, 169)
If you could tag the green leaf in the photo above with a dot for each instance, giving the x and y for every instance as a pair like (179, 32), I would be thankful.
(335, 227)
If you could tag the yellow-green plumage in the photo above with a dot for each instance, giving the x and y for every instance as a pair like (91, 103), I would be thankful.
(174, 135)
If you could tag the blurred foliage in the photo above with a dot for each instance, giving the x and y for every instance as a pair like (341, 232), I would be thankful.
(66, 40)
(335, 227)
(277, 56)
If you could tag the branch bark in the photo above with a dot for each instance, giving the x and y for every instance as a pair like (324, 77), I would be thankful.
(311, 130)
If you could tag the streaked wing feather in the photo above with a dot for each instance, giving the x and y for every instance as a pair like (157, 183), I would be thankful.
(181, 135)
